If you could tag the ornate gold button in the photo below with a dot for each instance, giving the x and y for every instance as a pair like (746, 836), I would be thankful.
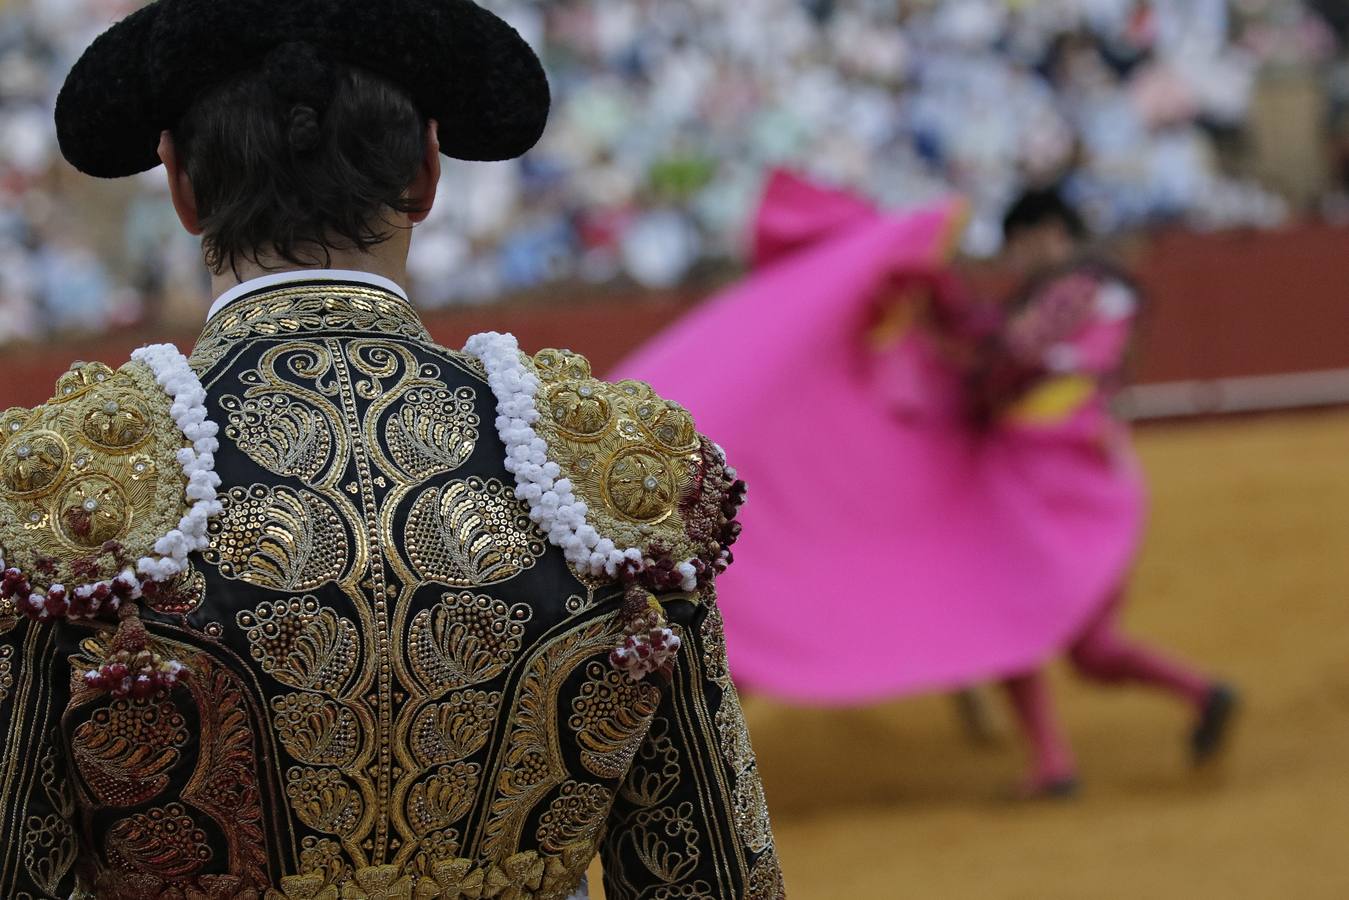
(34, 463)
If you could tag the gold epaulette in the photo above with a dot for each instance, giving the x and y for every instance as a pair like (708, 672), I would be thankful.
(90, 480)
(649, 479)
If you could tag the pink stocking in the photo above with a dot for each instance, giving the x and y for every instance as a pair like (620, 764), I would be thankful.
(1103, 654)
(1034, 707)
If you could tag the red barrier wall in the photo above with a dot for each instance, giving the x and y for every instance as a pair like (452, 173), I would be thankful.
(1224, 305)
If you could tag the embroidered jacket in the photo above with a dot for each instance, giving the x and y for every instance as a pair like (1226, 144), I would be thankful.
(388, 667)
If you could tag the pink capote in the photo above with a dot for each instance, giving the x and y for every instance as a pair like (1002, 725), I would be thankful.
(890, 547)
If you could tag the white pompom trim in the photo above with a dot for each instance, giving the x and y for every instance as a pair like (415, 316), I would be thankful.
(174, 374)
(539, 482)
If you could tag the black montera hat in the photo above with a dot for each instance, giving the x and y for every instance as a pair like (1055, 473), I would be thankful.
(462, 66)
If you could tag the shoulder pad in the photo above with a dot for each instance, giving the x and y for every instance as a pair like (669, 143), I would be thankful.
(653, 486)
(101, 489)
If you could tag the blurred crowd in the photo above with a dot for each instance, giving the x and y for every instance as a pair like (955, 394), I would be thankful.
(667, 115)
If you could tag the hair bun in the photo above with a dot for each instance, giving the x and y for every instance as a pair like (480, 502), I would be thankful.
(305, 131)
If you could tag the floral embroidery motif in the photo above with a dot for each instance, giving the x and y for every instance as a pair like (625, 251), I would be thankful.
(125, 751)
(455, 729)
(611, 716)
(576, 815)
(667, 841)
(432, 431)
(465, 639)
(324, 800)
(278, 538)
(471, 533)
(444, 798)
(302, 644)
(165, 843)
(281, 433)
(49, 849)
(316, 730)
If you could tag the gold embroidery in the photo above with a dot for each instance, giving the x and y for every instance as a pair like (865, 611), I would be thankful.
(533, 764)
(577, 604)
(647, 478)
(164, 842)
(304, 887)
(374, 598)
(49, 845)
(224, 784)
(302, 644)
(124, 751)
(9, 616)
(521, 876)
(49, 850)
(631, 456)
(765, 879)
(665, 840)
(35, 462)
(277, 538)
(465, 639)
(471, 533)
(749, 804)
(6, 671)
(414, 723)
(576, 815)
(316, 730)
(751, 811)
(284, 427)
(294, 311)
(432, 431)
(280, 433)
(324, 865)
(611, 716)
(455, 729)
(97, 463)
(654, 774)
(379, 883)
(697, 890)
(528, 875)
(12, 422)
(324, 800)
(444, 798)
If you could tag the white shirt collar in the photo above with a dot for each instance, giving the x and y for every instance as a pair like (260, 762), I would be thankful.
(348, 276)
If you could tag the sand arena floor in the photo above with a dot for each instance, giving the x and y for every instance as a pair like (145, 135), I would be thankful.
(1246, 569)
